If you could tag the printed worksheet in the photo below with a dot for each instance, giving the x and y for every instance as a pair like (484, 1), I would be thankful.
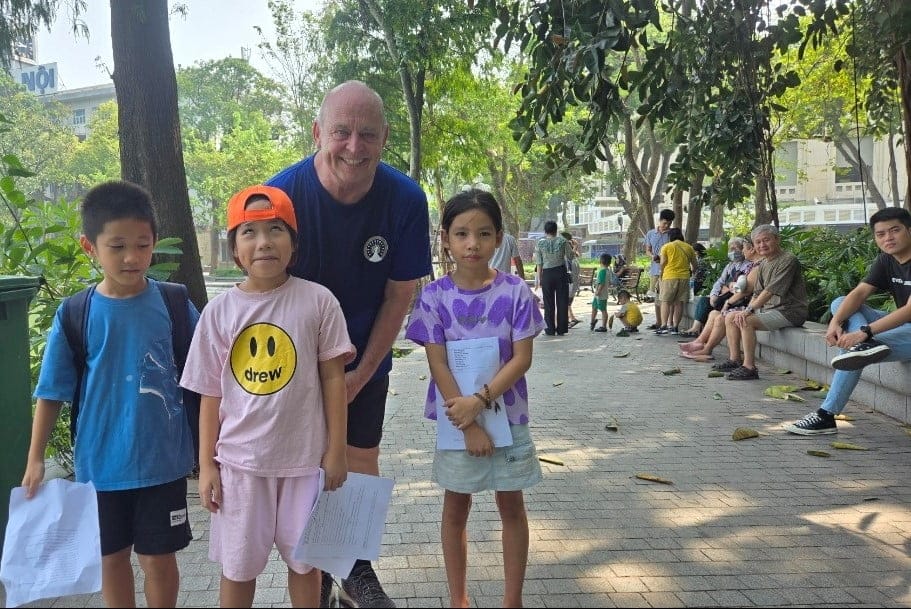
(346, 524)
(52, 546)
(473, 362)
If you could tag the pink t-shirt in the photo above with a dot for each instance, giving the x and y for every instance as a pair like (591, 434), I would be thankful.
(259, 352)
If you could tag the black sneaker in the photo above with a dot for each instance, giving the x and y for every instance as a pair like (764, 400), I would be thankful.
(653, 327)
(861, 354)
(364, 588)
(325, 592)
(601, 329)
(813, 424)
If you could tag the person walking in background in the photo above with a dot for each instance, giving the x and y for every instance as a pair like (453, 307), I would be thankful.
(604, 279)
(258, 472)
(365, 235)
(678, 261)
(552, 255)
(133, 441)
(575, 272)
(470, 303)
(868, 335)
(507, 256)
(779, 300)
(655, 239)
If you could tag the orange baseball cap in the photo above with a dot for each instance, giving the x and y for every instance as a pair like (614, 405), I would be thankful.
(282, 208)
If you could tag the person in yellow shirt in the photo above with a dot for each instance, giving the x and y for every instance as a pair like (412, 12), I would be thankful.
(678, 263)
(629, 314)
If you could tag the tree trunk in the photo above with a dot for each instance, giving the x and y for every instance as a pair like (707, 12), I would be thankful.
(893, 169)
(762, 214)
(412, 87)
(903, 65)
(852, 154)
(677, 207)
(150, 148)
(716, 222)
(694, 213)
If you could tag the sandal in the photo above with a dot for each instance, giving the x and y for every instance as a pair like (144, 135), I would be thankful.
(689, 334)
(574, 323)
(743, 374)
(726, 366)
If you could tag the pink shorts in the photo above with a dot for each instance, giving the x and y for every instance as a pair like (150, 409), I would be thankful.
(255, 513)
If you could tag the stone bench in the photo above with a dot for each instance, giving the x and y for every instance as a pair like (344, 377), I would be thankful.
(885, 387)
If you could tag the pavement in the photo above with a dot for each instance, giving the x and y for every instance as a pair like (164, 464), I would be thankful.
(756, 522)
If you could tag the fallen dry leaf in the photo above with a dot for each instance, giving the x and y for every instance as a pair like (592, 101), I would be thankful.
(553, 460)
(622, 354)
(670, 371)
(744, 433)
(818, 453)
(847, 446)
(715, 374)
(653, 478)
(558, 383)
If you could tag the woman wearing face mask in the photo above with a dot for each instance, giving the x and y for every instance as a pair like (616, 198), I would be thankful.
(722, 288)
(738, 294)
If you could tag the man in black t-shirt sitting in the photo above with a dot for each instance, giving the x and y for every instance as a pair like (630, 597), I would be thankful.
(868, 335)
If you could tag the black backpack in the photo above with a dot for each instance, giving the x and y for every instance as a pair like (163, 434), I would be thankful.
(75, 320)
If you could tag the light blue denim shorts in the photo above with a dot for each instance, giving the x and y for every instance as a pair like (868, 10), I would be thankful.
(510, 468)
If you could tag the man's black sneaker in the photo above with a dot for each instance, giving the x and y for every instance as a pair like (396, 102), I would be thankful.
(364, 588)
(812, 425)
(861, 354)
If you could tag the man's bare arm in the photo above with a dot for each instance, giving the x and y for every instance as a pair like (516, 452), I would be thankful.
(385, 329)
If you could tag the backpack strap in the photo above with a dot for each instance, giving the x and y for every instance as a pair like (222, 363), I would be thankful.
(176, 299)
(75, 323)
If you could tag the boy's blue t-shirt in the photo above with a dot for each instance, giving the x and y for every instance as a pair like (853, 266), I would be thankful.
(132, 430)
(354, 249)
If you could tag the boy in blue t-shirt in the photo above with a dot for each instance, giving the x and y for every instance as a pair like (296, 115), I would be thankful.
(133, 441)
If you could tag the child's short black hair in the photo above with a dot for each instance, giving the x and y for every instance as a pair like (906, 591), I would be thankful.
(623, 293)
(605, 259)
(116, 200)
(667, 214)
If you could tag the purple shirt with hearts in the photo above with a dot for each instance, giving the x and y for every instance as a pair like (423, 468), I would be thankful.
(505, 309)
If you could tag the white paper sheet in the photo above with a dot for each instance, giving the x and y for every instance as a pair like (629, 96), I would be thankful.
(52, 546)
(346, 524)
(473, 362)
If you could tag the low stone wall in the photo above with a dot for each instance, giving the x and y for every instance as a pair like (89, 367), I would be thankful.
(885, 387)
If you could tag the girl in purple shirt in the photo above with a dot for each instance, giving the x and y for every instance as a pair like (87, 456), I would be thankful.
(475, 301)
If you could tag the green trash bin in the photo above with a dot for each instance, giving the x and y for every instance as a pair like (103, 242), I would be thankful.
(15, 385)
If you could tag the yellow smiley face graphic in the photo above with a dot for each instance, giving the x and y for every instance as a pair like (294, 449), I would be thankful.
(263, 359)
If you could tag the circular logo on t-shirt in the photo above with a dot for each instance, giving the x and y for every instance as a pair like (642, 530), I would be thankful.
(375, 248)
(263, 358)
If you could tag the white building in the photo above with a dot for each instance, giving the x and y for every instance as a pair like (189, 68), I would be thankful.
(814, 185)
(83, 103)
